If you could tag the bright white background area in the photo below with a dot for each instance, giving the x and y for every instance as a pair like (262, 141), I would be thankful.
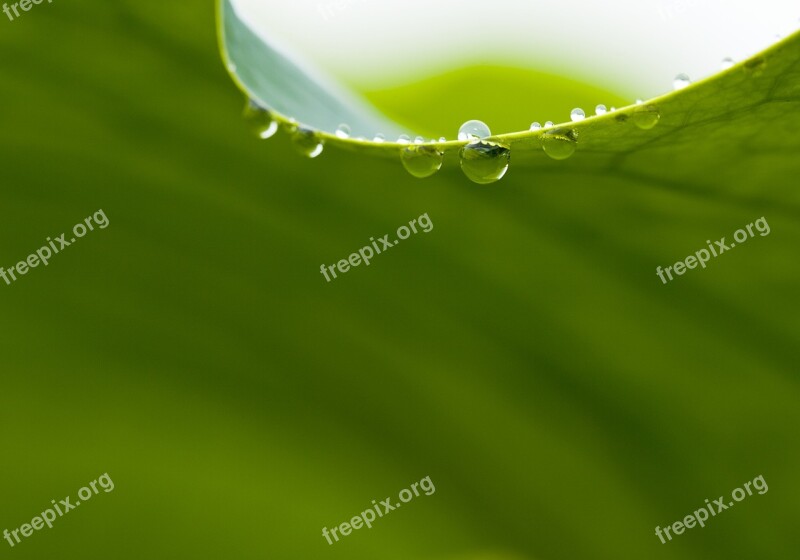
(635, 47)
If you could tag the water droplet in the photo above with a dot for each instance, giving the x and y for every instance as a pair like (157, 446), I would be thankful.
(422, 161)
(638, 102)
(681, 81)
(419, 140)
(473, 130)
(485, 162)
(646, 117)
(577, 114)
(231, 67)
(612, 109)
(379, 138)
(259, 120)
(600, 110)
(560, 143)
(289, 126)
(536, 126)
(442, 139)
(756, 65)
(548, 124)
(307, 142)
(727, 63)
(404, 139)
(361, 139)
(343, 131)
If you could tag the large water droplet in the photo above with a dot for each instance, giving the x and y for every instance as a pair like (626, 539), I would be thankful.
(600, 110)
(307, 142)
(485, 162)
(536, 126)
(646, 117)
(473, 130)
(577, 114)
(681, 81)
(727, 63)
(259, 120)
(548, 124)
(404, 139)
(343, 131)
(422, 161)
(560, 143)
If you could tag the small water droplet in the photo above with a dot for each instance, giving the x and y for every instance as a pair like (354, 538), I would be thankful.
(638, 102)
(404, 139)
(600, 110)
(307, 142)
(472, 130)
(379, 138)
(577, 114)
(560, 143)
(756, 65)
(289, 126)
(612, 109)
(548, 124)
(231, 67)
(485, 162)
(419, 140)
(343, 131)
(422, 161)
(646, 117)
(681, 81)
(361, 139)
(442, 139)
(259, 120)
(727, 63)
(536, 126)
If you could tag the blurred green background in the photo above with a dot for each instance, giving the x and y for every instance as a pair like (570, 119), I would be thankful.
(523, 354)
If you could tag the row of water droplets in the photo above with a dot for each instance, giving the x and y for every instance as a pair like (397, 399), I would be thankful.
(482, 160)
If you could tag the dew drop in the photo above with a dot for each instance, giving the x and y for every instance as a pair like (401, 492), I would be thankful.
(259, 120)
(419, 140)
(600, 110)
(231, 67)
(612, 109)
(485, 162)
(727, 63)
(577, 114)
(548, 124)
(473, 130)
(404, 139)
(442, 139)
(379, 138)
(307, 142)
(560, 143)
(638, 102)
(646, 117)
(343, 131)
(681, 81)
(422, 161)
(755, 65)
(536, 126)
(289, 126)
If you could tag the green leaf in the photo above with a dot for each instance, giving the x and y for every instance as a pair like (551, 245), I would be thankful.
(712, 119)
